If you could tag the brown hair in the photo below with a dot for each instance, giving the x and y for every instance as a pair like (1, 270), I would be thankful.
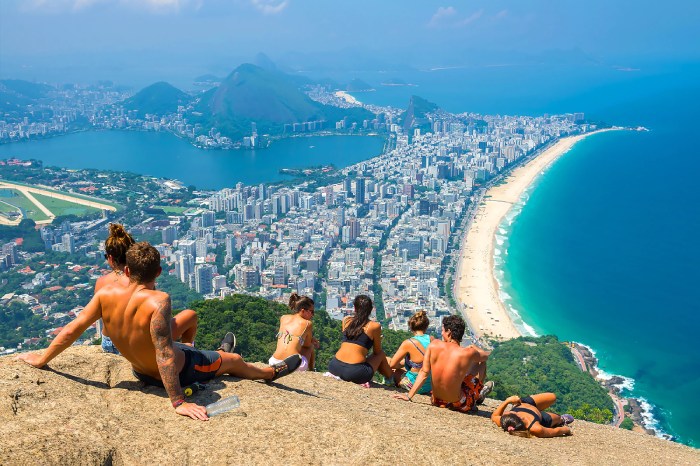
(455, 324)
(511, 423)
(297, 303)
(419, 322)
(143, 261)
(117, 243)
(363, 308)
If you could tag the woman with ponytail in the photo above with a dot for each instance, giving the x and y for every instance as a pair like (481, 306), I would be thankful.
(295, 335)
(360, 334)
(184, 324)
(410, 354)
(527, 417)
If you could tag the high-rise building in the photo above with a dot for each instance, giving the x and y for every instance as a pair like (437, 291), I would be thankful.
(188, 246)
(208, 219)
(68, 243)
(201, 247)
(10, 250)
(186, 267)
(360, 190)
(203, 276)
(169, 234)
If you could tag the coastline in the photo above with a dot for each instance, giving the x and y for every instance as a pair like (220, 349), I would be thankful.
(476, 289)
(480, 299)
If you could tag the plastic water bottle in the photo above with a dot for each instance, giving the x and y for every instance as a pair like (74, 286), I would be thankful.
(222, 406)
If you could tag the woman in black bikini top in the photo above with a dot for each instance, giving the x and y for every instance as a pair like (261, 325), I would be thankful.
(526, 417)
(352, 362)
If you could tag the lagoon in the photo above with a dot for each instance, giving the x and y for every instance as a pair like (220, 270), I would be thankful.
(166, 156)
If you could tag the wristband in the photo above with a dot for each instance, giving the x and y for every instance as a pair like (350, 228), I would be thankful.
(178, 402)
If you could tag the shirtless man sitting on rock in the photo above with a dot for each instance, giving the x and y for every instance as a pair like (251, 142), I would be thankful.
(457, 373)
(137, 318)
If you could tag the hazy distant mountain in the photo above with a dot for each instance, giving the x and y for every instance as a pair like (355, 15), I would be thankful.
(264, 62)
(207, 78)
(16, 94)
(271, 99)
(415, 115)
(159, 98)
(358, 85)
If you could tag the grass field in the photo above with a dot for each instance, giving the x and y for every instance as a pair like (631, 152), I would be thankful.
(168, 209)
(60, 207)
(16, 198)
(80, 196)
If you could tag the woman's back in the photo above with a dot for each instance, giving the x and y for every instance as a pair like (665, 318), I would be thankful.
(354, 349)
(294, 331)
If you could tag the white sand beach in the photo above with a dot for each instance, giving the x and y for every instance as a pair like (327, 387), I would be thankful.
(476, 288)
(347, 97)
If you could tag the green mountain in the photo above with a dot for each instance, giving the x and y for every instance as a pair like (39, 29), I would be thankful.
(529, 365)
(269, 98)
(255, 322)
(159, 98)
(16, 95)
(358, 85)
(415, 115)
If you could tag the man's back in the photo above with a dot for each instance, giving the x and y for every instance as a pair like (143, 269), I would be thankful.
(449, 364)
(127, 313)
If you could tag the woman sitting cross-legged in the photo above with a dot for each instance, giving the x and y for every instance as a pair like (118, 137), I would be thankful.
(411, 353)
(295, 335)
(360, 334)
(526, 418)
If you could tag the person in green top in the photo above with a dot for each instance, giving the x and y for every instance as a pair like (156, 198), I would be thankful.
(408, 359)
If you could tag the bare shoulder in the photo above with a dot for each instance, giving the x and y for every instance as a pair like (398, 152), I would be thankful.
(101, 282)
(156, 299)
(374, 325)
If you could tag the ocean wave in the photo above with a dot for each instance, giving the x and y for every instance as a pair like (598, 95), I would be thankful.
(520, 324)
(502, 231)
(496, 252)
(626, 384)
(503, 295)
(626, 388)
(500, 240)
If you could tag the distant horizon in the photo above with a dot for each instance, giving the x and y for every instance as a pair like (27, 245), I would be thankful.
(140, 42)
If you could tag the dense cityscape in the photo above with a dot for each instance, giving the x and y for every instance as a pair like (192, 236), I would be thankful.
(387, 227)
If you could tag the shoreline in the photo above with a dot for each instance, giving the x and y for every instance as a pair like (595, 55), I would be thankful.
(476, 289)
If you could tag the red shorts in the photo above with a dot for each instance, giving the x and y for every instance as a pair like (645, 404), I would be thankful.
(471, 389)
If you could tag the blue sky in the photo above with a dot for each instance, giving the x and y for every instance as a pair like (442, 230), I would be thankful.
(38, 36)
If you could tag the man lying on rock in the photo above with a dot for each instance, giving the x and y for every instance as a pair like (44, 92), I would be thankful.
(137, 318)
(447, 363)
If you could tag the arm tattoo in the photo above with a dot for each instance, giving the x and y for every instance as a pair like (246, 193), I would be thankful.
(162, 337)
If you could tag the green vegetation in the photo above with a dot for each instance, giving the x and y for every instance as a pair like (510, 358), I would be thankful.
(159, 98)
(19, 200)
(627, 424)
(358, 85)
(527, 365)
(59, 207)
(168, 209)
(255, 322)
(181, 297)
(271, 99)
(25, 230)
(16, 322)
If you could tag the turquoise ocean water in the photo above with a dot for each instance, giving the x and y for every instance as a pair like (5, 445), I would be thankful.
(603, 248)
(164, 155)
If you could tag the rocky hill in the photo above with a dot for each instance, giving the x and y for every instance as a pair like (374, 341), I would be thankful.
(89, 409)
(267, 97)
(159, 98)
